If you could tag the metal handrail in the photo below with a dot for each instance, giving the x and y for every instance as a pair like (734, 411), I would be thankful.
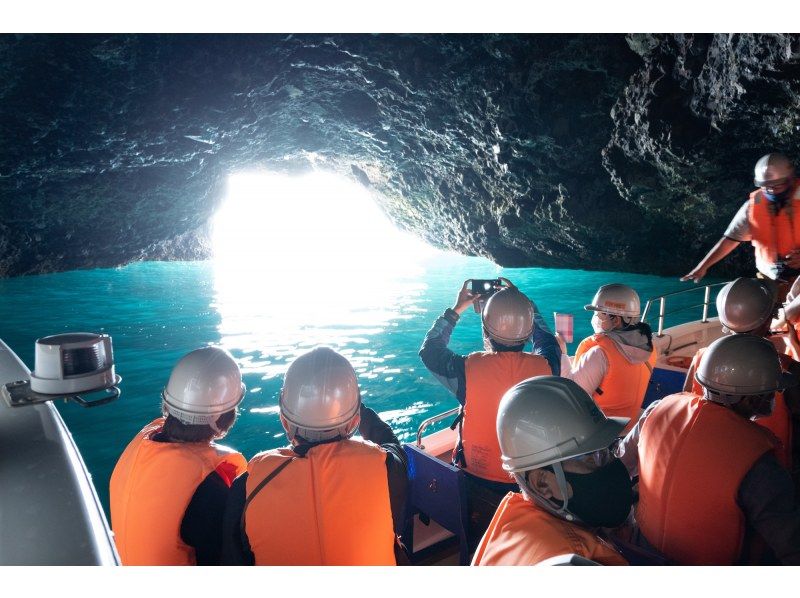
(432, 420)
(662, 300)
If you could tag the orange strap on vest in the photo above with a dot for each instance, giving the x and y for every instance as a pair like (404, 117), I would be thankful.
(521, 533)
(488, 377)
(779, 423)
(622, 389)
(776, 235)
(693, 455)
(330, 507)
(151, 486)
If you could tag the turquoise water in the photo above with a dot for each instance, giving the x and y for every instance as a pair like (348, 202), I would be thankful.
(157, 312)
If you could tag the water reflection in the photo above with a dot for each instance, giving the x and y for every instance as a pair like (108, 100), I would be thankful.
(313, 261)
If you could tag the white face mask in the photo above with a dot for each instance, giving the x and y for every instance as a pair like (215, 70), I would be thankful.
(601, 323)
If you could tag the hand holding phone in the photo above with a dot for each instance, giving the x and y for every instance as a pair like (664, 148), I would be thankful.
(483, 288)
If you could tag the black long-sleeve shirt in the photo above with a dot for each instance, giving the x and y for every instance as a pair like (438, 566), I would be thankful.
(201, 527)
(235, 545)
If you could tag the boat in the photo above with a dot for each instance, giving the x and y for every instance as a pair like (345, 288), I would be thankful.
(50, 513)
(436, 532)
(49, 510)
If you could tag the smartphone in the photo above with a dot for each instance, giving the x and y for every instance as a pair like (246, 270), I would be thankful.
(484, 287)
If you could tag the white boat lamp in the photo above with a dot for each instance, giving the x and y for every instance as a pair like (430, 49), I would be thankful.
(66, 367)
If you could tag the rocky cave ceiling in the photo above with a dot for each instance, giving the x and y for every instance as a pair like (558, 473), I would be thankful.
(605, 152)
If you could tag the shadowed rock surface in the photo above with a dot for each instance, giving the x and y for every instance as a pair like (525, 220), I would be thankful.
(582, 151)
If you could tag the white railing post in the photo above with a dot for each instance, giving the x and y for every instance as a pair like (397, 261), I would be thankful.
(661, 316)
(705, 304)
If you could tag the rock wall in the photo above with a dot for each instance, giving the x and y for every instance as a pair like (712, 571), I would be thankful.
(582, 151)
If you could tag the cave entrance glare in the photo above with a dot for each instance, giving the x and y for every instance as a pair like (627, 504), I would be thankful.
(309, 260)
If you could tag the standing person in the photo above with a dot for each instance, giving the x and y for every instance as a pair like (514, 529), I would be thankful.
(170, 486)
(615, 363)
(328, 499)
(770, 220)
(548, 427)
(479, 381)
(706, 471)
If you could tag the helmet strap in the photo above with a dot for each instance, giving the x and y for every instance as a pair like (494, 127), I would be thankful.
(213, 425)
(549, 505)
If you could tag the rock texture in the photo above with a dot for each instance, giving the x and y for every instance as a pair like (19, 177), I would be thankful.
(583, 151)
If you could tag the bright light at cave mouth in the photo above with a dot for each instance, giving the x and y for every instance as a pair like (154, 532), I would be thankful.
(316, 224)
(309, 251)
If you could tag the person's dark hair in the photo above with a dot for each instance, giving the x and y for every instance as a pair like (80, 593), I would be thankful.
(175, 430)
(500, 348)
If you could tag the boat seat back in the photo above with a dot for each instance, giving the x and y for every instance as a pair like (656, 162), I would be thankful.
(438, 492)
(663, 383)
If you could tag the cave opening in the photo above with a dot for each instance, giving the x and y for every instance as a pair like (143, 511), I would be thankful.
(296, 254)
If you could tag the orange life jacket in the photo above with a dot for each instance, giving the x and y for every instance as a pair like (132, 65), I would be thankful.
(622, 389)
(522, 533)
(779, 422)
(330, 507)
(693, 455)
(773, 236)
(488, 377)
(151, 486)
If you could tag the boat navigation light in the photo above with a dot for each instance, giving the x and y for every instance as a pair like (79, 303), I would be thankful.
(71, 363)
(67, 365)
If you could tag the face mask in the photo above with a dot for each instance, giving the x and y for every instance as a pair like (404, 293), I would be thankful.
(778, 197)
(763, 407)
(600, 325)
(602, 498)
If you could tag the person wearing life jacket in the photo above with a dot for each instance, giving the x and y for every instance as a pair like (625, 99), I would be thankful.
(328, 498)
(615, 363)
(170, 486)
(708, 475)
(549, 431)
(770, 220)
(479, 381)
(746, 306)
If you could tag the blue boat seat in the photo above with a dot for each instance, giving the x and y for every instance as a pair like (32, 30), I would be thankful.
(662, 383)
(438, 491)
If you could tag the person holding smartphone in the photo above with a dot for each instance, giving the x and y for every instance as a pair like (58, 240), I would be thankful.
(478, 380)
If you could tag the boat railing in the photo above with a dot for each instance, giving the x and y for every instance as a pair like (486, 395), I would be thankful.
(432, 420)
(662, 304)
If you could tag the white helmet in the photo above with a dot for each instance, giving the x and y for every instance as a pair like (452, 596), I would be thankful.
(745, 304)
(508, 317)
(617, 300)
(548, 419)
(203, 385)
(740, 365)
(772, 169)
(320, 399)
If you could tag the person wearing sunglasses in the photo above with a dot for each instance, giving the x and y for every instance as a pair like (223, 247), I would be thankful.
(770, 220)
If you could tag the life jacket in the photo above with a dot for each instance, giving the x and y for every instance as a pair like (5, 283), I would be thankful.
(779, 422)
(693, 455)
(773, 236)
(522, 533)
(329, 507)
(622, 390)
(488, 377)
(151, 487)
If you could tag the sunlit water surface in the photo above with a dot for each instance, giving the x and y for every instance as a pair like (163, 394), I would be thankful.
(377, 317)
